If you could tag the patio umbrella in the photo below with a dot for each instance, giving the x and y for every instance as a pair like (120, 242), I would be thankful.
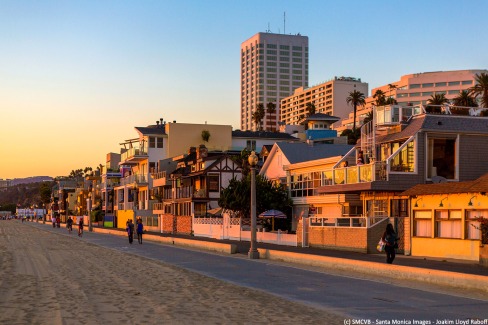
(216, 212)
(272, 214)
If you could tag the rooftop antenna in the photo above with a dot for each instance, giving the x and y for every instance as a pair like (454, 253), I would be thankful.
(284, 22)
(268, 31)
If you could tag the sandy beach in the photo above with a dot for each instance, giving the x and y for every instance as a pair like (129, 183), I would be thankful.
(49, 278)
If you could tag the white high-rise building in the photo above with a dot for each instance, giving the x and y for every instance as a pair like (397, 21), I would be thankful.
(272, 67)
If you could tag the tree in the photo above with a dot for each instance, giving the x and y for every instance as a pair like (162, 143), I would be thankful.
(355, 98)
(45, 192)
(352, 137)
(258, 116)
(481, 88)
(438, 99)
(237, 196)
(379, 96)
(270, 109)
(310, 109)
(368, 118)
(390, 88)
(465, 99)
(205, 135)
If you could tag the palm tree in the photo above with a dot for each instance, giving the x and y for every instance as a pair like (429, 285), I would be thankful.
(258, 115)
(310, 109)
(465, 99)
(379, 96)
(390, 88)
(355, 98)
(481, 88)
(271, 109)
(438, 99)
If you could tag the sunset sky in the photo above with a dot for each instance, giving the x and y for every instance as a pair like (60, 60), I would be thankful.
(77, 76)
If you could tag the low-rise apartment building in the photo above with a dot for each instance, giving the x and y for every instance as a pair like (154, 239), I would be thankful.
(328, 97)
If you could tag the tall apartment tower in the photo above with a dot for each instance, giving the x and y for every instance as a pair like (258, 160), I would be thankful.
(272, 67)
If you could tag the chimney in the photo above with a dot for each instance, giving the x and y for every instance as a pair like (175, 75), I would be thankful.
(202, 152)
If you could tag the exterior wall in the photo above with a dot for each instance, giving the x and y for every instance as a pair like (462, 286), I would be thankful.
(183, 225)
(260, 85)
(182, 136)
(241, 143)
(168, 224)
(123, 216)
(434, 246)
(353, 239)
(328, 98)
(471, 149)
(274, 170)
(446, 248)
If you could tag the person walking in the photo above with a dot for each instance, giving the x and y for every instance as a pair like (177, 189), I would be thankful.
(80, 227)
(53, 219)
(390, 238)
(140, 230)
(130, 231)
(69, 225)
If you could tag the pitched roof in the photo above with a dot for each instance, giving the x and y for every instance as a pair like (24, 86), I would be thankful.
(297, 152)
(322, 117)
(439, 122)
(151, 129)
(476, 186)
(262, 134)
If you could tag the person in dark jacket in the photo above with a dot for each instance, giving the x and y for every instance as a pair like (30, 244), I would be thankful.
(130, 231)
(390, 238)
(140, 230)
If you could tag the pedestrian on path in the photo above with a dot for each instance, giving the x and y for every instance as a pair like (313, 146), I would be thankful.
(140, 230)
(80, 227)
(130, 230)
(53, 219)
(390, 238)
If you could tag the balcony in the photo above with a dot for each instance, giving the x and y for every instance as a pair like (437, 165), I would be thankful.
(160, 179)
(135, 179)
(133, 156)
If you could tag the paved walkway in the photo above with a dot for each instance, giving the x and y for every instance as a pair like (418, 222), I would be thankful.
(450, 265)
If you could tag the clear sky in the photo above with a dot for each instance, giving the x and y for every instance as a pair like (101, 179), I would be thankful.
(77, 76)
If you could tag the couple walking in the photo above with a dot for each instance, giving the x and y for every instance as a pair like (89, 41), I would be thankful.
(130, 230)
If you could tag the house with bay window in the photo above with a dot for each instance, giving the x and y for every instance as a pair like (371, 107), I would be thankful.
(400, 148)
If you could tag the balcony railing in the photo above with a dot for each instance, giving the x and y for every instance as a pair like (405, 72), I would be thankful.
(133, 153)
(158, 175)
(348, 221)
(359, 174)
(138, 179)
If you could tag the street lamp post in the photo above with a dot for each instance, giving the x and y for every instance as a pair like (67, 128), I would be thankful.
(253, 251)
(89, 207)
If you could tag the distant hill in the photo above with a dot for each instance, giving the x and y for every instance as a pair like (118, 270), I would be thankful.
(28, 180)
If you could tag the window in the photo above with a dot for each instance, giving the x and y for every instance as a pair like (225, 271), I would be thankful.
(427, 85)
(284, 53)
(251, 145)
(296, 48)
(304, 184)
(472, 225)
(422, 223)
(412, 86)
(404, 160)
(441, 157)
(428, 93)
(284, 65)
(453, 83)
(284, 58)
(448, 223)
(467, 82)
(414, 94)
(284, 47)
(152, 142)
(271, 46)
(453, 92)
(271, 58)
(441, 84)
(159, 143)
(213, 183)
(273, 52)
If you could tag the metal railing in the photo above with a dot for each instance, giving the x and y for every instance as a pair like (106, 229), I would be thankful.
(347, 221)
(133, 152)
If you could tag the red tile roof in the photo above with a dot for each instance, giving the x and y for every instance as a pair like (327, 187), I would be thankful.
(477, 186)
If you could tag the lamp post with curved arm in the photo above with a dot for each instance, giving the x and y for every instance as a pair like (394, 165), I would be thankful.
(253, 251)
